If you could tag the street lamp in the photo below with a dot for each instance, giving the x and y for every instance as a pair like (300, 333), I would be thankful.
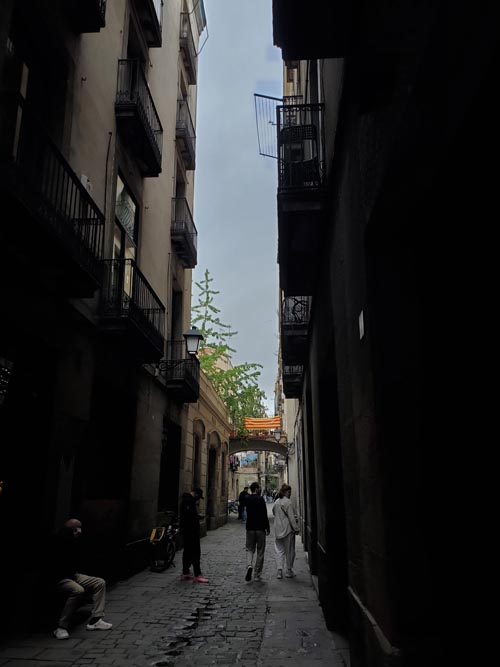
(193, 337)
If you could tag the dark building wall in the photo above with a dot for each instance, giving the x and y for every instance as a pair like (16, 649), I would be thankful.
(360, 445)
(311, 518)
(329, 484)
(43, 424)
(406, 180)
(101, 490)
(378, 378)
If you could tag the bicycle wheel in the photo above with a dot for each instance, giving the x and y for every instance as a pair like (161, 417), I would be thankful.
(169, 554)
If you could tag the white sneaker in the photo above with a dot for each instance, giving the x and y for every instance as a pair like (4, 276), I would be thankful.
(280, 574)
(99, 625)
(61, 633)
(257, 577)
(290, 573)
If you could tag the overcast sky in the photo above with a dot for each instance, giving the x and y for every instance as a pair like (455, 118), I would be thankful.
(235, 187)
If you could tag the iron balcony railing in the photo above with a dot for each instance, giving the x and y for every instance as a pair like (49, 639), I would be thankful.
(300, 132)
(184, 233)
(128, 295)
(295, 311)
(37, 173)
(265, 118)
(188, 48)
(295, 315)
(184, 131)
(293, 371)
(133, 90)
(181, 371)
(292, 380)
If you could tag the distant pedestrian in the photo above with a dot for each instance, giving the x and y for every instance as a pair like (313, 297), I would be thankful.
(257, 528)
(189, 525)
(242, 502)
(285, 529)
(63, 564)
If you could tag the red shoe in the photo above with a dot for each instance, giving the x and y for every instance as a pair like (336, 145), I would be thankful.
(202, 580)
(186, 576)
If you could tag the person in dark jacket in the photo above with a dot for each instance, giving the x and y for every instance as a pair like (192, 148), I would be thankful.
(242, 501)
(257, 529)
(63, 567)
(189, 526)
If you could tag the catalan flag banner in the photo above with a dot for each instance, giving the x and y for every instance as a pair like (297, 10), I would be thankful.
(262, 424)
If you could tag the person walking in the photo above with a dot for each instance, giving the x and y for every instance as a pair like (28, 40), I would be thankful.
(285, 530)
(242, 501)
(189, 527)
(63, 564)
(257, 528)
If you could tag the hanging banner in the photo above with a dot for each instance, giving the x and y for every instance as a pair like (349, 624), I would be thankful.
(262, 424)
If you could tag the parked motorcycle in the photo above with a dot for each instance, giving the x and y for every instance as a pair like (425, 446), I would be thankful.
(232, 506)
(163, 545)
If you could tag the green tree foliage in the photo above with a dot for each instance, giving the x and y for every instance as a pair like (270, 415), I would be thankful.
(238, 386)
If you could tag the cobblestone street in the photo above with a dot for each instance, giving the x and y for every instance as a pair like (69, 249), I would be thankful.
(159, 620)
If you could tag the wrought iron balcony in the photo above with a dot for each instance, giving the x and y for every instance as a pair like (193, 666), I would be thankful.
(300, 147)
(181, 373)
(292, 381)
(301, 195)
(185, 135)
(137, 118)
(295, 313)
(87, 15)
(48, 214)
(150, 13)
(129, 304)
(188, 48)
(183, 232)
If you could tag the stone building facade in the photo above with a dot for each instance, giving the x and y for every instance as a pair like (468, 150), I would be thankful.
(386, 114)
(100, 401)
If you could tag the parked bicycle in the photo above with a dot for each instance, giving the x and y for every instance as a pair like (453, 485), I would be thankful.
(163, 544)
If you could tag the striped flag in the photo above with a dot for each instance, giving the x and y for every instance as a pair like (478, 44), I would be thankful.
(262, 424)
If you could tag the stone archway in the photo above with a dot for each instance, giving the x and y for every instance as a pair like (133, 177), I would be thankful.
(257, 445)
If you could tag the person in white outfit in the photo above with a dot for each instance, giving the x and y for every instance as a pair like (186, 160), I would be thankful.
(285, 529)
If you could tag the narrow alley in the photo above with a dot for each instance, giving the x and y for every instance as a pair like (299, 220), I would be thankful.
(242, 242)
(159, 620)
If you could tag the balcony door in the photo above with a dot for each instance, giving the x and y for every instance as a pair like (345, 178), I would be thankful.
(124, 240)
(168, 491)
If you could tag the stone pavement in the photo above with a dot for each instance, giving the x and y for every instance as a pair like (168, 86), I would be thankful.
(159, 620)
